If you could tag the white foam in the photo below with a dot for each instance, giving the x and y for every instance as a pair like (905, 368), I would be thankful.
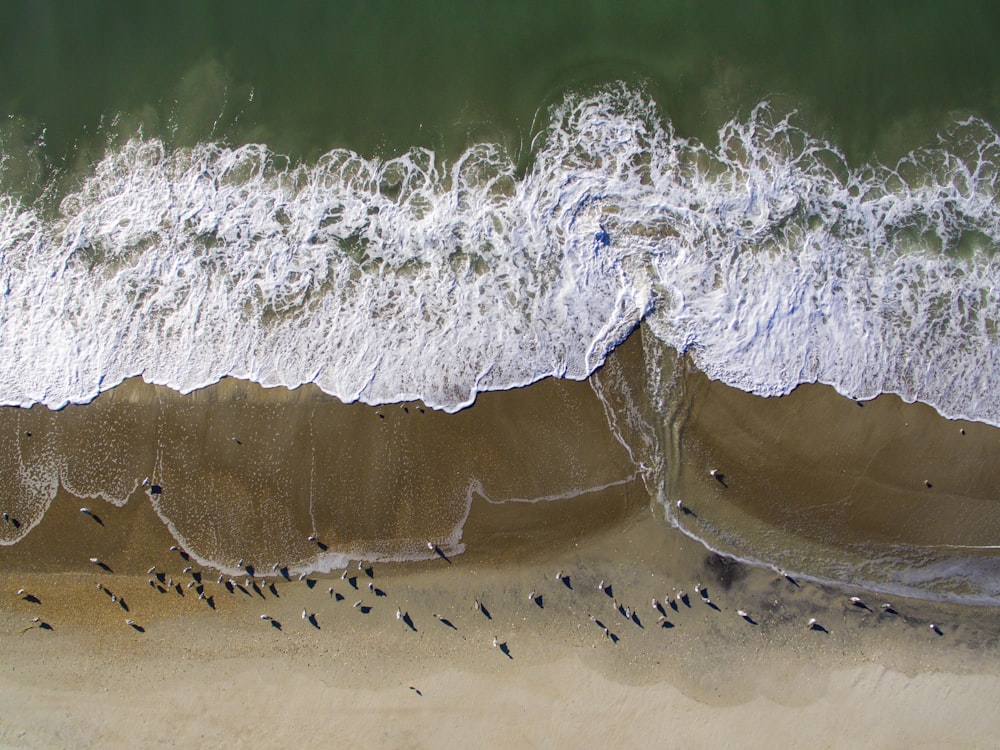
(476, 488)
(767, 258)
(320, 562)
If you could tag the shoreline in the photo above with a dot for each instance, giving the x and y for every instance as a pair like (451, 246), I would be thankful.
(209, 672)
(521, 243)
(880, 495)
(811, 482)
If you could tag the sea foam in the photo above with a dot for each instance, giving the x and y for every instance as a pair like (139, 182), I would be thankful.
(767, 257)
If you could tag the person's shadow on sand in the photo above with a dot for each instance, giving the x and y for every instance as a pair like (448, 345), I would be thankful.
(440, 553)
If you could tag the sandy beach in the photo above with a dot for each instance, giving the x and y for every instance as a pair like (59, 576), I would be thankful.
(879, 493)
(379, 377)
(209, 672)
(198, 676)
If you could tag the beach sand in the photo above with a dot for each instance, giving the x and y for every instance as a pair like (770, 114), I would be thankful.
(878, 493)
(211, 673)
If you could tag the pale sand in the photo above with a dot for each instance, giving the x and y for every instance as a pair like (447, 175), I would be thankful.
(272, 702)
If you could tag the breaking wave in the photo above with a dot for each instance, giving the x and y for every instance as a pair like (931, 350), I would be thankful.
(767, 257)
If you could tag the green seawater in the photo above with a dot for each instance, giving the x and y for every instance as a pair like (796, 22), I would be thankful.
(876, 79)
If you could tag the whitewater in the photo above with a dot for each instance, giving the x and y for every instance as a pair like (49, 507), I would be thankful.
(766, 257)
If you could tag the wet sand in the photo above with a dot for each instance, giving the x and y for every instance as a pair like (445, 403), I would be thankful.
(209, 672)
(239, 472)
(878, 493)
(220, 676)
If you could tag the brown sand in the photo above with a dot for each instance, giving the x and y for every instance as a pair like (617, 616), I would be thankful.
(214, 674)
(221, 677)
(822, 484)
(242, 472)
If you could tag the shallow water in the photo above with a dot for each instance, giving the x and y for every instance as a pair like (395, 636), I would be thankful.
(880, 494)
(240, 473)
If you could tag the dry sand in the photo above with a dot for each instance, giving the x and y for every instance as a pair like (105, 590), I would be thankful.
(210, 673)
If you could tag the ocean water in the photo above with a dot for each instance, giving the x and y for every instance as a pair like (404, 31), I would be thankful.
(425, 202)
